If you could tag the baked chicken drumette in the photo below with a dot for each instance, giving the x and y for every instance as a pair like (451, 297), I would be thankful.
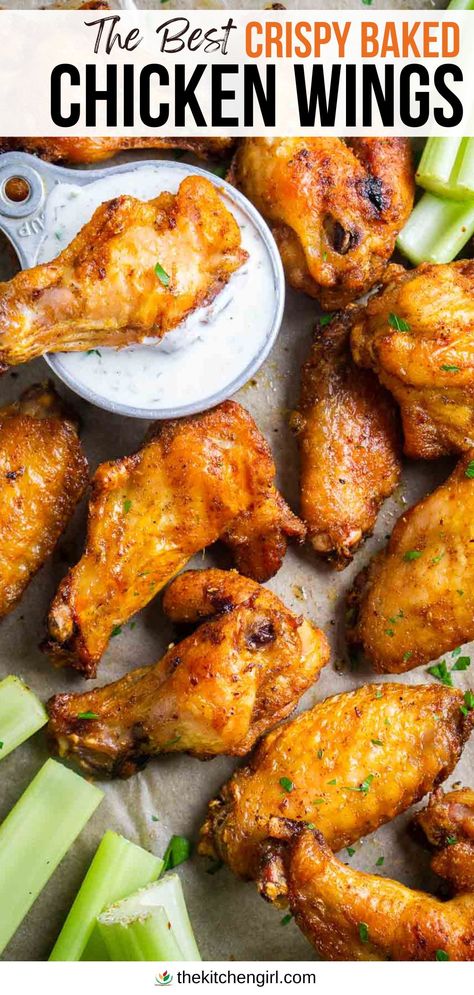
(215, 692)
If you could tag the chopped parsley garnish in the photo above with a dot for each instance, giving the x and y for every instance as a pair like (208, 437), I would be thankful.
(461, 593)
(220, 171)
(286, 919)
(456, 651)
(407, 655)
(379, 693)
(320, 754)
(441, 672)
(319, 801)
(379, 861)
(412, 554)
(88, 715)
(399, 324)
(365, 786)
(334, 781)
(469, 471)
(437, 559)
(90, 352)
(468, 703)
(116, 631)
(350, 850)
(449, 369)
(162, 275)
(155, 818)
(451, 840)
(376, 742)
(311, 825)
(462, 663)
(178, 850)
(127, 504)
(441, 955)
(286, 784)
(389, 632)
(364, 932)
(326, 318)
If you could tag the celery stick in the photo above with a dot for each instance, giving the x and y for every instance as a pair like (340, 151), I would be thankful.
(35, 836)
(165, 894)
(447, 168)
(146, 937)
(436, 230)
(21, 714)
(118, 868)
(461, 5)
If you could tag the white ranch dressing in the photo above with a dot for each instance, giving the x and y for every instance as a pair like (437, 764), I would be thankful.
(201, 357)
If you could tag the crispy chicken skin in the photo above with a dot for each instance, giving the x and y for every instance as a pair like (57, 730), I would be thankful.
(43, 474)
(215, 692)
(86, 150)
(348, 437)
(335, 207)
(103, 289)
(150, 512)
(448, 825)
(429, 367)
(415, 600)
(324, 767)
(350, 915)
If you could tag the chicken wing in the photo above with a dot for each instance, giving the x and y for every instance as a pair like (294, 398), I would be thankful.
(416, 598)
(347, 432)
(43, 474)
(217, 691)
(335, 207)
(349, 915)
(448, 825)
(348, 765)
(150, 512)
(85, 150)
(135, 270)
(418, 336)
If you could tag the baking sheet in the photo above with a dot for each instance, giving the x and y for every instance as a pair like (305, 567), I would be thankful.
(230, 920)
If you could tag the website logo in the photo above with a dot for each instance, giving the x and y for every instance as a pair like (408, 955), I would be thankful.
(163, 979)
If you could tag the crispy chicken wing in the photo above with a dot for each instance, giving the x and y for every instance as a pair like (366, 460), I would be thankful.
(349, 446)
(416, 598)
(43, 474)
(448, 824)
(349, 915)
(418, 336)
(335, 207)
(348, 765)
(150, 512)
(84, 150)
(217, 691)
(135, 270)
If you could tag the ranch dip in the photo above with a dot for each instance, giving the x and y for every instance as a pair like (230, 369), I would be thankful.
(211, 353)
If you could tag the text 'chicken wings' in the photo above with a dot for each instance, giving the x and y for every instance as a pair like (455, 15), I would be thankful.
(335, 207)
(416, 598)
(150, 512)
(43, 474)
(137, 269)
(347, 431)
(350, 764)
(350, 915)
(215, 692)
(84, 150)
(418, 336)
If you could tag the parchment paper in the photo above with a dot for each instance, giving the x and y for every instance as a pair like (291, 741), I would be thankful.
(230, 920)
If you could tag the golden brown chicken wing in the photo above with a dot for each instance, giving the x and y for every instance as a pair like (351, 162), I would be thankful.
(335, 207)
(418, 336)
(136, 269)
(349, 915)
(350, 764)
(84, 150)
(348, 438)
(150, 512)
(43, 474)
(217, 691)
(416, 598)
(448, 824)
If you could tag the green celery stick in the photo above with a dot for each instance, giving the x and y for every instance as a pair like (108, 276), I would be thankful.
(166, 894)
(36, 835)
(461, 5)
(146, 937)
(118, 868)
(447, 168)
(21, 714)
(436, 230)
